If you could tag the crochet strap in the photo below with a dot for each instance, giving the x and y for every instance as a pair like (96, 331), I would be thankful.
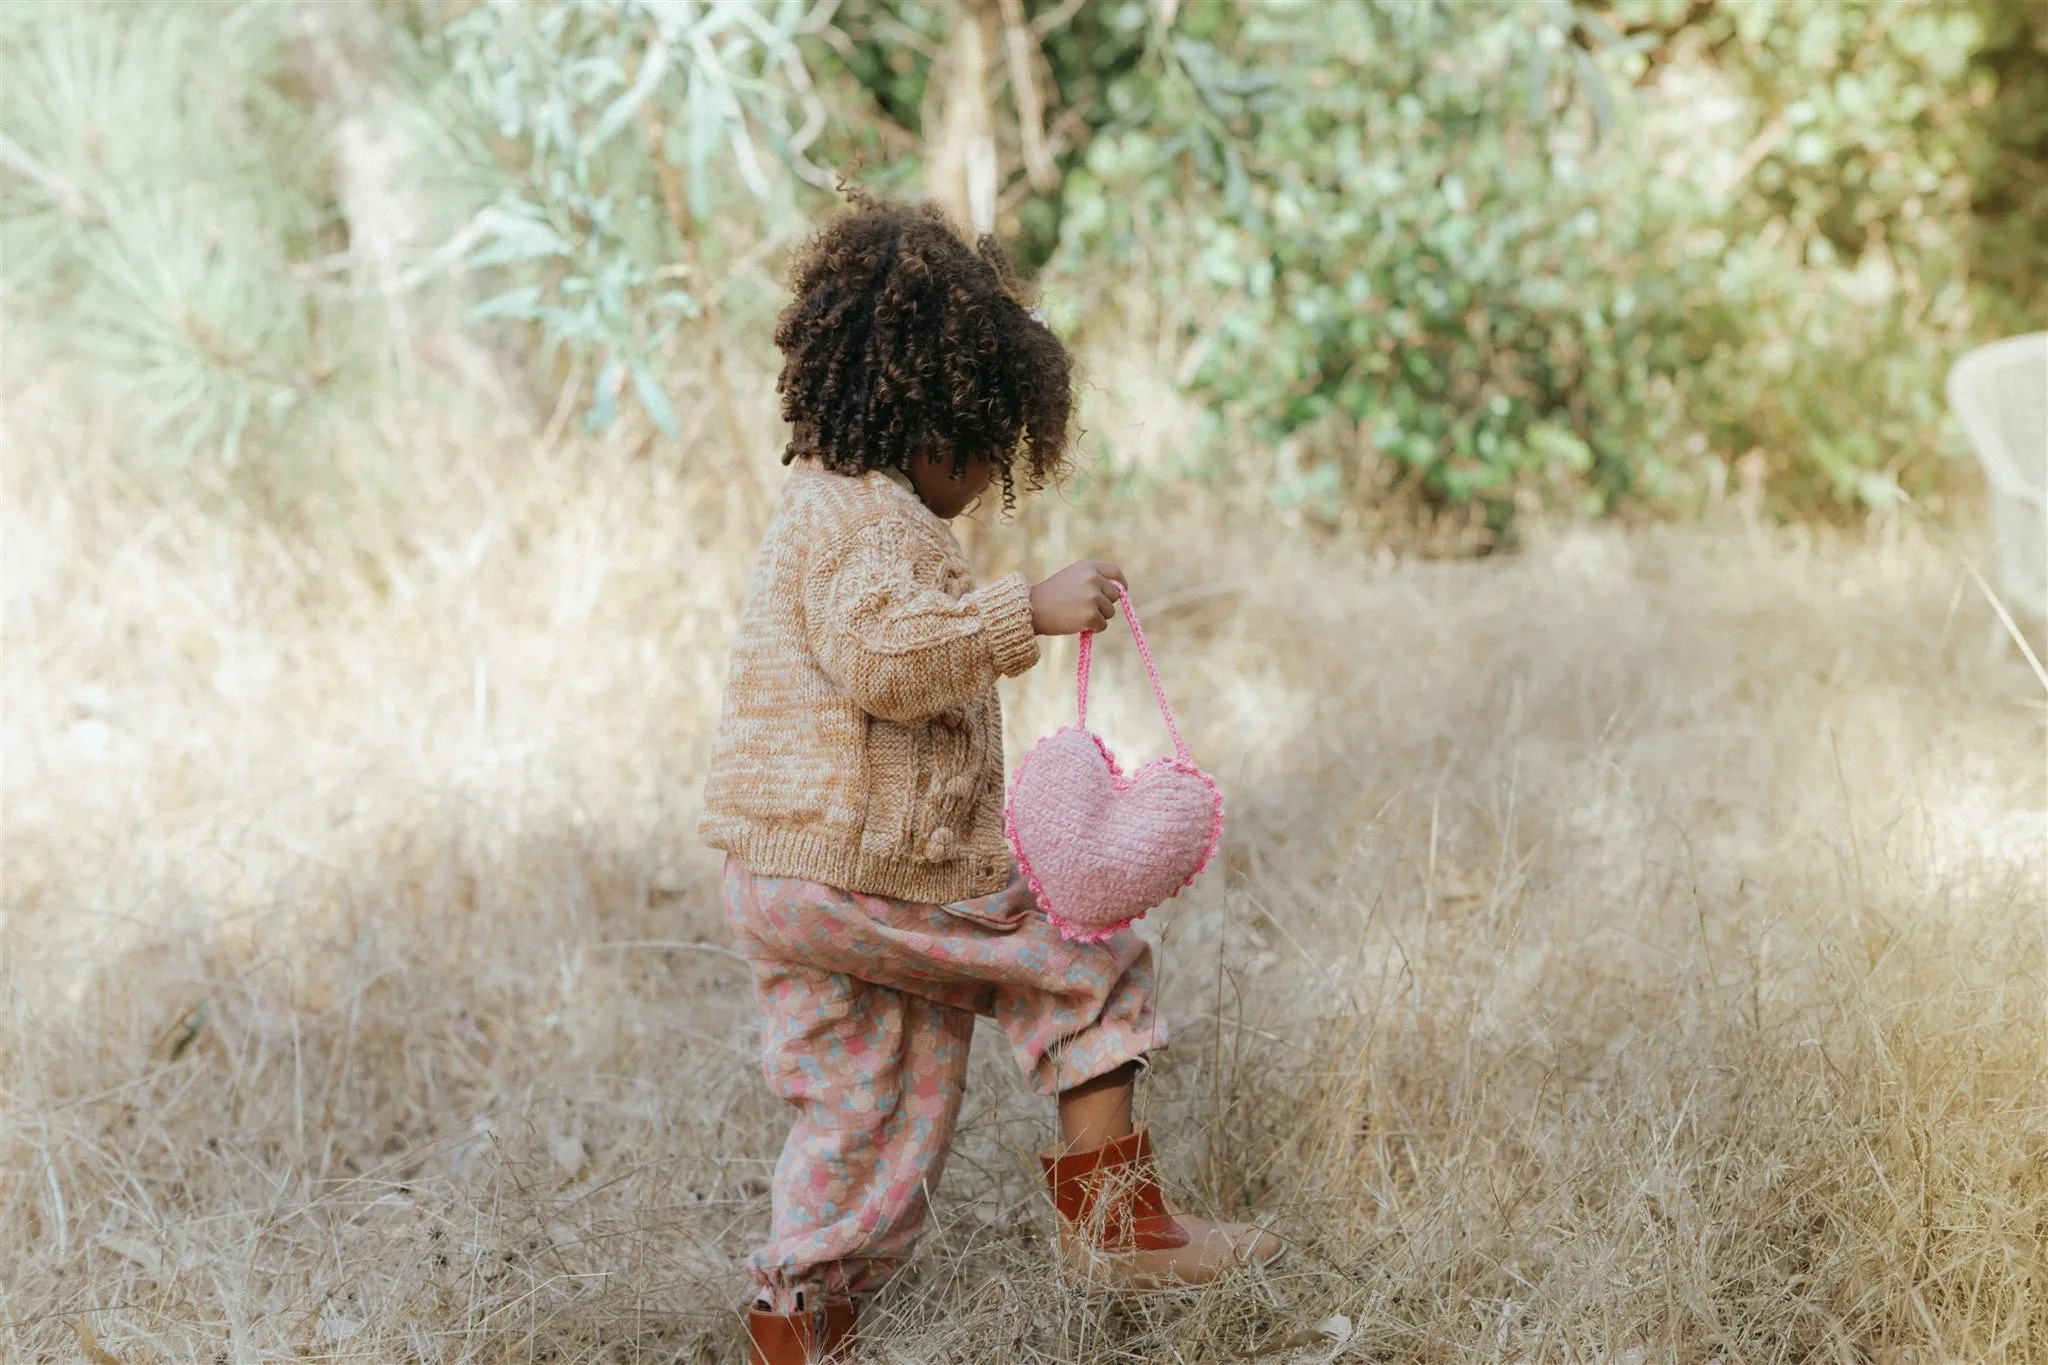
(1086, 660)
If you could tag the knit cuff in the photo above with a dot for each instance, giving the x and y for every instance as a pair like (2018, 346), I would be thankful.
(1005, 610)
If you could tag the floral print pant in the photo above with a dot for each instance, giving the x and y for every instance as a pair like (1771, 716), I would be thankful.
(869, 1008)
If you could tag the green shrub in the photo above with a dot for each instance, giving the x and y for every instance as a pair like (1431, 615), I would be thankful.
(165, 176)
(1396, 217)
(1583, 253)
(2008, 161)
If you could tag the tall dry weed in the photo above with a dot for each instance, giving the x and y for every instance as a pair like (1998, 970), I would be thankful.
(1632, 949)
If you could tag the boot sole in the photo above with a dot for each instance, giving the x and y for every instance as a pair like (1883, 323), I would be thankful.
(1083, 1268)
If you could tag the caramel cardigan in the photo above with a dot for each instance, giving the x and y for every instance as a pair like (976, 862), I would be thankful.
(861, 740)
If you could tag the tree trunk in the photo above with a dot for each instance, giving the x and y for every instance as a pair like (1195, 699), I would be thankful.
(960, 171)
(960, 153)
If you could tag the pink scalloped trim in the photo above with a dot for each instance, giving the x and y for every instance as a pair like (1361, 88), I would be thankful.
(1072, 932)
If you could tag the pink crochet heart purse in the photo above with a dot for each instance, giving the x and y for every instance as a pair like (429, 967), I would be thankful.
(1101, 847)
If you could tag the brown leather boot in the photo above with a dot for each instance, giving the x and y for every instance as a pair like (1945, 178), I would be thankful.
(1115, 1228)
(810, 1336)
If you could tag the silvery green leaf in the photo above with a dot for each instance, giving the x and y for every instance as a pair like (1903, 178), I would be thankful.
(604, 398)
(652, 70)
(672, 16)
(750, 16)
(655, 401)
(522, 303)
(724, 14)
(611, 291)
(749, 163)
(1602, 31)
(509, 104)
(733, 55)
(1237, 186)
(1539, 81)
(702, 115)
(586, 78)
(550, 121)
(515, 237)
(231, 440)
(1596, 87)
(752, 85)
(577, 324)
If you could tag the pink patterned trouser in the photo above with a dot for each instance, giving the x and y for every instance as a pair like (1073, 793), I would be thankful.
(869, 1006)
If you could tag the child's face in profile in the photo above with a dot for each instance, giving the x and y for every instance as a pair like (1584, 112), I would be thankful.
(946, 493)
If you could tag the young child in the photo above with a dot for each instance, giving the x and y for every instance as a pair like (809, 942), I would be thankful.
(857, 789)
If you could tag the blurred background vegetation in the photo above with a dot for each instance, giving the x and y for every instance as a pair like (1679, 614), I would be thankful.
(1476, 257)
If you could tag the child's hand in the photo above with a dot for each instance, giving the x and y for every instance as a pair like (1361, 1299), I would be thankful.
(1078, 599)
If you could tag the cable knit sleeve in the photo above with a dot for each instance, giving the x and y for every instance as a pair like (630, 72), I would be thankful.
(903, 650)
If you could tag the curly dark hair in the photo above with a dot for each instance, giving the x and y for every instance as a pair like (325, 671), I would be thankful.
(902, 341)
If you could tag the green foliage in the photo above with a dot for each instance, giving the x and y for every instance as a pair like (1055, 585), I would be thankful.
(2009, 160)
(607, 193)
(1452, 227)
(1387, 240)
(887, 49)
(1583, 252)
(1859, 110)
(163, 177)
(1840, 301)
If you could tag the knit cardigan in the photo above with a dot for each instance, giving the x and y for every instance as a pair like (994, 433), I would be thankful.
(861, 741)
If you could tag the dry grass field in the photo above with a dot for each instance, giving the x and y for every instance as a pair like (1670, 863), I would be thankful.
(1634, 948)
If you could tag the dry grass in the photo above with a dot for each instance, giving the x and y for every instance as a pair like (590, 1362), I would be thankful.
(1628, 950)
